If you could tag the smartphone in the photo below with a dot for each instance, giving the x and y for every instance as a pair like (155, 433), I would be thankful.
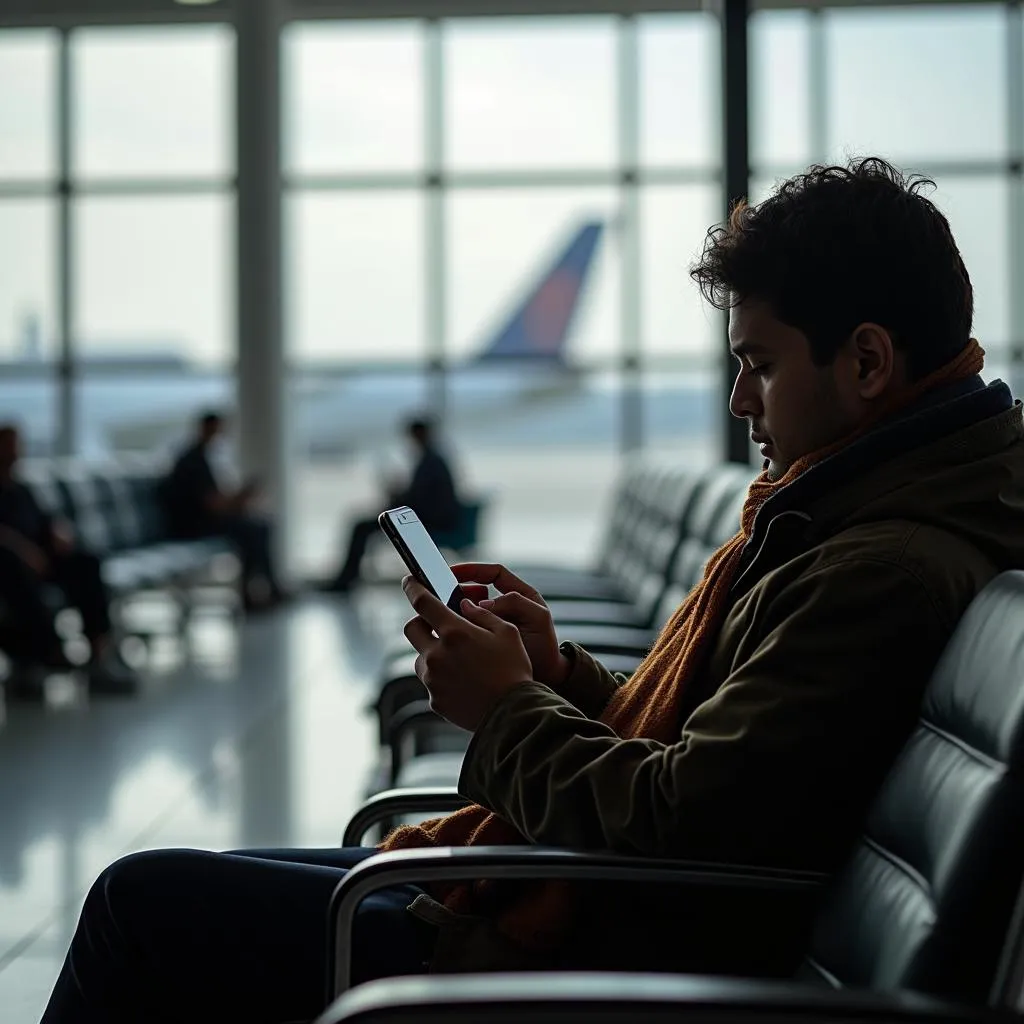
(403, 528)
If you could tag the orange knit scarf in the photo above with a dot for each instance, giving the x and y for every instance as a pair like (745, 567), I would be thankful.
(649, 705)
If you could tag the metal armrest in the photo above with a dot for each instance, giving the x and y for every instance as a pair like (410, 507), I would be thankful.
(384, 805)
(610, 998)
(398, 691)
(456, 863)
(407, 725)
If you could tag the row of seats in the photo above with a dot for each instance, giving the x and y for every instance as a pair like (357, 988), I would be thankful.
(117, 513)
(666, 522)
(923, 923)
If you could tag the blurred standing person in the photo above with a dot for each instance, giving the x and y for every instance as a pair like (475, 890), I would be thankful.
(198, 505)
(430, 493)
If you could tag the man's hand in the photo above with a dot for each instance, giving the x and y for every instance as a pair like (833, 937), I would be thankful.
(523, 606)
(471, 663)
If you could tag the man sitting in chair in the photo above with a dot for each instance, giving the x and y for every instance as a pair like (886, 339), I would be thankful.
(762, 723)
(430, 493)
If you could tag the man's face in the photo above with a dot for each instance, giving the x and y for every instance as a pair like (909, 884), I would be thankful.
(793, 407)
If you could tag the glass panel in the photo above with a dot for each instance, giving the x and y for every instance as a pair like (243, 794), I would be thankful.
(28, 302)
(682, 411)
(780, 88)
(537, 267)
(674, 223)
(28, 87)
(353, 97)
(978, 212)
(154, 280)
(680, 116)
(153, 101)
(527, 93)
(355, 276)
(934, 86)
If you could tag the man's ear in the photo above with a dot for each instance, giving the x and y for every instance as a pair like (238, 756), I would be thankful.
(874, 357)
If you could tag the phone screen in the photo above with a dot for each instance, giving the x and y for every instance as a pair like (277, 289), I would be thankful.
(420, 547)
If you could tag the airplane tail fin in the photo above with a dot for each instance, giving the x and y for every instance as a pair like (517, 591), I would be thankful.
(539, 326)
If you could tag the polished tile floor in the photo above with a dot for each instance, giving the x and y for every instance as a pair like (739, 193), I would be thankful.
(247, 734)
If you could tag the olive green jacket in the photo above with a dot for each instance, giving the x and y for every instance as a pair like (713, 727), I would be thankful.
(851, 584)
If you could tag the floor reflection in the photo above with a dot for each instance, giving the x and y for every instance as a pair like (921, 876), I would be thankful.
(243, 736)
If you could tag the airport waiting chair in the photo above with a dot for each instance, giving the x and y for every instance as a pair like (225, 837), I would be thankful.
(635, 496)
(924, 921)
(464, 537)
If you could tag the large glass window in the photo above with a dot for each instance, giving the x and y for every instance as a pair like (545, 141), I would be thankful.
(152, 228)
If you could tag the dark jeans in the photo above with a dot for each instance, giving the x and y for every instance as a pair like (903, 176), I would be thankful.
(253, 539)
(362, 531)
(181, 935)
(77, 574)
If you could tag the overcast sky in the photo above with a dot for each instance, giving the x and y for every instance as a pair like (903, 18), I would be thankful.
(918, 86)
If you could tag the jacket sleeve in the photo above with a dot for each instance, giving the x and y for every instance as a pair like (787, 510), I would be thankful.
(825, 687)
(589, 685)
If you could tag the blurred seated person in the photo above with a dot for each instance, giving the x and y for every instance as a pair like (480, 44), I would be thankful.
(38, 550)
(430, 493)
(198, 505)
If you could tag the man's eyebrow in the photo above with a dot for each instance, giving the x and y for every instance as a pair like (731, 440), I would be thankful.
(748, 348)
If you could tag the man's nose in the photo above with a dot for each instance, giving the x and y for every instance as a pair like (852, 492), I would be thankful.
(744, 402)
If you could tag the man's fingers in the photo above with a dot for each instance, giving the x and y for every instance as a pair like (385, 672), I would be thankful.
(514, 607)
(419, 634)
(428, 606)
(495, 575)
(483, 617)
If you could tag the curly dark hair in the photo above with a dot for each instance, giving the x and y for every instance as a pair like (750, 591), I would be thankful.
(843, 245)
